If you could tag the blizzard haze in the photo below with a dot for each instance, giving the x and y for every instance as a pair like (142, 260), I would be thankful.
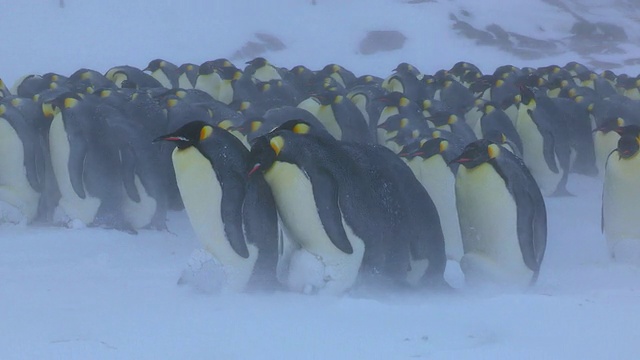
(102, 294)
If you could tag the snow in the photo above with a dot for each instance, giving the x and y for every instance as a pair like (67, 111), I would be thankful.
(89, 293)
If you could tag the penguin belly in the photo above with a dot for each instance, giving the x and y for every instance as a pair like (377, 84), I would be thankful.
(436, 177)
(621, 201)
(210, 84)
(324, 114)
(293, 193)
(488, 224)
(604, 145)
(533, 155)
(70, 203)
(15, 189)
(201, 193)
(184, 82)
(162, 78)
(266, 74)
(361, 103)
(139, 214)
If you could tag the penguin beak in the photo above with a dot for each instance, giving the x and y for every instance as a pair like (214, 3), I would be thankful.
(169, 138)
(255, 168)
(459, 160)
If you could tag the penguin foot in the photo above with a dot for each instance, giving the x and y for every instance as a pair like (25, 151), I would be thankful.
(110, 222)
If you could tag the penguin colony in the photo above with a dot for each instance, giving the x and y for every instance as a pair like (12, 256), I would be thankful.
(318, 181)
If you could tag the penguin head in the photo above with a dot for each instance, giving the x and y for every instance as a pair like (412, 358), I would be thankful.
(610, 124)
(394, 98)
(155, 65)
(442, 118)
(394, 123)
(629, 142)
(477, 153)
(301, 127)
(189, 135)
(406, 68)
(425, 148)
(264, 152)
(329, 97)
(462, 67)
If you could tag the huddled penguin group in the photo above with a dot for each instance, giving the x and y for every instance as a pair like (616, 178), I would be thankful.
(320, 181)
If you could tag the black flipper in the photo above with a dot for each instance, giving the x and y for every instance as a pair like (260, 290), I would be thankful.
(77, 154)
(32, 162)
(231, 209)
(128, 164)
(325, 193)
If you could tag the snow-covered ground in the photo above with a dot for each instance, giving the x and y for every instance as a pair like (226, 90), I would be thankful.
(103, 294)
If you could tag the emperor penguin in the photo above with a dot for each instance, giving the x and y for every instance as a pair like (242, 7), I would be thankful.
(187, 75)
(233, 216)
(216, 77)
(399, 232)
(605, 139)
(119, 74)
(545, 147)
(339, 116)
(301, 173)
(428, 159)
(165, 72)
(20, 153)
(621, 196)
(502, 214)
(86, 164)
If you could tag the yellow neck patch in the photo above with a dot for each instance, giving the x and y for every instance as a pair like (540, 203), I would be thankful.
(493, 150)
(205, 132)
(225, 124)
(2, 109)
(172, 102)
(277, 143)
(70, 102)
(255, 125)
(444, 145)
(301, 129)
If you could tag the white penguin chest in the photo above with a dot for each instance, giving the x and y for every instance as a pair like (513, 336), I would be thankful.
(75, 207)
(488, 222)
(533, 153)
(293, 194)
(436, 177)
(325, 115)
(162, 78)
(14, 185)
(209, 83)
(621, 198)
(604, 145)
(487, 212)
(12, 170)
(201, 193)
(361, 103)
